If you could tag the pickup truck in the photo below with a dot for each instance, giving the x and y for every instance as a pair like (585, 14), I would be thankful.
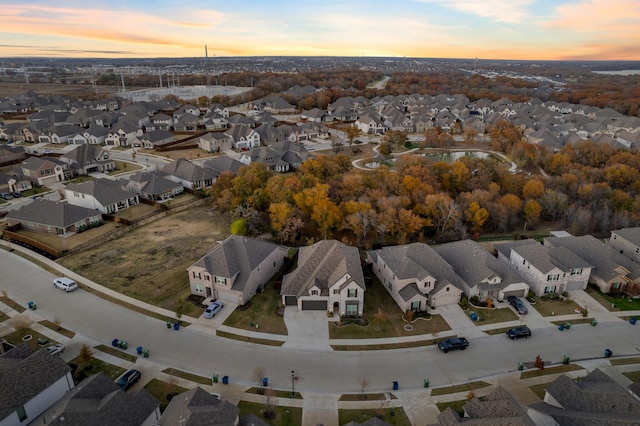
(453, 343)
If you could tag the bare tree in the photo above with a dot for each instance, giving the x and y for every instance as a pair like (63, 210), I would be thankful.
(259, 375)
(364, 384)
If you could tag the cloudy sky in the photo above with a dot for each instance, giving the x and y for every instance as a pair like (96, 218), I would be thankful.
(486, 29)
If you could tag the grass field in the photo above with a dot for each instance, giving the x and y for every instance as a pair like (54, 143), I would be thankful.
(283, 416)
(163, 391)
(393, 416)
(614, 302)
(260, 314)
(550, 307)
(493, 316)
(149, 263)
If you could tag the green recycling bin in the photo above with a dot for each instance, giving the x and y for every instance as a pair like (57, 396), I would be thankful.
(566, 359)
(426, 383)
(215, 378)
(520, 366)
(145, 353)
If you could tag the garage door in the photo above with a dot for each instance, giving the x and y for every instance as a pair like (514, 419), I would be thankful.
(290, 301)
(517, 293)
(314, 305)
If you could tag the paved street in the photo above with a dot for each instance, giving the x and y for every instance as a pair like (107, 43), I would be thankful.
(319, 370)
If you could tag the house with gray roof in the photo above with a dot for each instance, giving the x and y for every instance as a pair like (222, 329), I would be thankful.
(190, 175)
(10, 154)
(497, 408)
(547, 269)
(280, 156)
(611, 270)
(223, 163)
(197, 407)
(123, 134)
(99, 401)
(32, 381)
(154, 139)
(416, 276)
(105, 195)
(15, 182)
(86, 159)
(482, 271)
(594, 400)
(235, 269)
(44, 171)
(627, 242)
(154, 185)
(54, 217)
(328, 277)
(214, 142)
(243, 137)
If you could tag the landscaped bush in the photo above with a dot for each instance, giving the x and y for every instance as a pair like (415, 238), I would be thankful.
(550, 296)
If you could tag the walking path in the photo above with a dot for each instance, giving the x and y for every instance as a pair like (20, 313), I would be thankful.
(308, 332)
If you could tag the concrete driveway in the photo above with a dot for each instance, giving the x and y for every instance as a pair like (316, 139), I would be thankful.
(307, 330)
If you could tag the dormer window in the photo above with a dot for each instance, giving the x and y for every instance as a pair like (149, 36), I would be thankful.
(314, 292)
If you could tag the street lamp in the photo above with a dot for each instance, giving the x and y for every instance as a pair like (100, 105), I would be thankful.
(293, 391)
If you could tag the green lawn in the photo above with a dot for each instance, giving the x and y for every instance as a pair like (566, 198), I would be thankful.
(284, 416)
(550, 370)
(260, 314)
(625, 361)
(118, 353)
(493, 316)
(550, 307)
(539, 389)
(17, 336)
(58, 328)
(188, 376)
(94, 366)
(459, 388)
(385, 319)
(12, 304)
(162, 391)
(634, 376)
(613, 302)
(393, 416)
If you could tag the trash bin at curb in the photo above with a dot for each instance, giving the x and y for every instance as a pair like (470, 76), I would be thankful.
(215, 378)
(561, 327)
(139, 350)
(608, 353)
(123, 344)
(168, 324)
(145, 353)
(225, 380)
(566, 359)
(632, 321)
(594, 322)
(265, 382)
(520, 366)
(395, 385)
(567, 325)
(176, 326)
(426, 383)
(115, 343)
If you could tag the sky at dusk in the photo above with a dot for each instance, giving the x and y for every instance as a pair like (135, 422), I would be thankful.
(489, 29)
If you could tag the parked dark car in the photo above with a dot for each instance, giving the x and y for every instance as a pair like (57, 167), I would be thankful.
(128, 379)
(518, 332)
(518, 305)
(453, 343)
(6, 195)
(16, 194)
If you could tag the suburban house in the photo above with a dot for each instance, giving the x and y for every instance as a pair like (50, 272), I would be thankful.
(123, 134)
(596, 399)
(214, 142)
(32, 381)
(154, 186)
(486, 276)
(105, 195)
(497, 408)
(223, 163)
(627, 242)
(154, 139)
(10, 154)
(159, 121)
(213, 120)
(236, 269)
(611, 270)
(280, 157)
(14, 183)
(328, 278)
(243, 137)
(86, 159)
(546, 269)
(44, 171)
(370, 125)
(187, 123)
(93, 135)
(416, 276)
(190, 175)
(99, 401)
(198, 407)
(54, 217)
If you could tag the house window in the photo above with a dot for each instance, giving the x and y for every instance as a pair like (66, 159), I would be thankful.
(553, 277)
(447, 289)
(207, 278)
(199, 288)
(21, 412)
(352, 310)
(221, 280)
(550, 289)
(637, 250)
(389, 286)
(336, 291)
(314, 292)
(576, 271)
(415, 306)
(352, 292)
(196, 275)
(615, 285)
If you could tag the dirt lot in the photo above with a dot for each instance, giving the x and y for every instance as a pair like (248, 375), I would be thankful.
(150, 262)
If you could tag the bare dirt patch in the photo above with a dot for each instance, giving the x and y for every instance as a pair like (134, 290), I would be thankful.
(150, 262)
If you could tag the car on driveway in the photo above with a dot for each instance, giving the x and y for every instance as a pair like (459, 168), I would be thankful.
(518, 305)
(6, 195)
(213, 309)
(65, 284)
(518, 332)
(128, 379)
(56, 349)
(453, 343)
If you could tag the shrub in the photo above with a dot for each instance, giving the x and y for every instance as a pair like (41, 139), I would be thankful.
(565, 293)
(474, 300)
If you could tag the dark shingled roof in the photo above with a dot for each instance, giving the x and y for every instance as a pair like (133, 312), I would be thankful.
(52, 213)
(99, 401)
(196, 407)
(24, 373)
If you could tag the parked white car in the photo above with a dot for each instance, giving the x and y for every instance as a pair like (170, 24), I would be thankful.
(65, 284)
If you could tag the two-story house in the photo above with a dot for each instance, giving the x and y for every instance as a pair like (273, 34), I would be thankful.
(235, 269)
(545, 269)
(416, 276)
(328, 277)
(190, 175)
(44, 171)
(105, 195)
(87, 159)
